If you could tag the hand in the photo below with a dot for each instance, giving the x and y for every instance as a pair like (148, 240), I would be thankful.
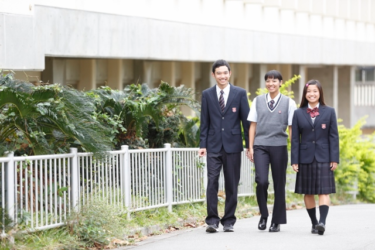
(295, 167)
(202, 152)
(250, 154)
(333, 165)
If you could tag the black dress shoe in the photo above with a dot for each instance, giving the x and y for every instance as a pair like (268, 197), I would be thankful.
(321, 228)
(314, 230)
(228, 228)
(275, 228)
(262, 223)
(212, 229)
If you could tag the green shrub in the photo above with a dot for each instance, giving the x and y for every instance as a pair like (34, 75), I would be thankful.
(356, 170)
(97, 223)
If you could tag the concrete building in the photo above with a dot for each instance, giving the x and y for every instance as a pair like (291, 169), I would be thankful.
(89, 43)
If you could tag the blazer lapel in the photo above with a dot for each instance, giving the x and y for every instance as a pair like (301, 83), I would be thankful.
(321, 112)
(232, 94)
(308, 117)
(215, 100)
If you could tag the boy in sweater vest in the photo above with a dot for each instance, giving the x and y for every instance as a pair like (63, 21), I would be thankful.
(270, 115)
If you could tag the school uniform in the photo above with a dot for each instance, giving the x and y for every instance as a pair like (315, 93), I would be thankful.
(273, 116)
(315, 144)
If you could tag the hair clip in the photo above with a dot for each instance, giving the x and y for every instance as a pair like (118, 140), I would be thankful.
(307, 84)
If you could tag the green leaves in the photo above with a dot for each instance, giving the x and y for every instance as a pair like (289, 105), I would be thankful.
(356, 171)
(51, 118)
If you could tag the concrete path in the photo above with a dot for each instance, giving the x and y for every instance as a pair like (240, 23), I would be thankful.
(348, 227)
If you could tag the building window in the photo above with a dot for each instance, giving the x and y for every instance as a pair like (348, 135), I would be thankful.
(365, 74)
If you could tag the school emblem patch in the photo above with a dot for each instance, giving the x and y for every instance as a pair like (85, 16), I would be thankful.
(234, 110)
(323, 126)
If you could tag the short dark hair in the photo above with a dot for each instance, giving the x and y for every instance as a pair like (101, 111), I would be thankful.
(304, 101)
(218, 64)
(273, 74)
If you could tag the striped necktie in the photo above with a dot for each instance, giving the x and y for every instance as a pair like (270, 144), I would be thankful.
(271, 103)
(221, 101)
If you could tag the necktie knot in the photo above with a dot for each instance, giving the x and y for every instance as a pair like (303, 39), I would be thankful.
(271, 103)
(313, 112)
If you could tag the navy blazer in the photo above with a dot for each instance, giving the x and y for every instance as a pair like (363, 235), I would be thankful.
(319, 140)
(223, 129)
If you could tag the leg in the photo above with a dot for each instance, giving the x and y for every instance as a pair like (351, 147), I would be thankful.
(279, 162)
(232, 170)
(311, 210)
(324, 202)
(214, 164)
(309, 201)
(261, 162)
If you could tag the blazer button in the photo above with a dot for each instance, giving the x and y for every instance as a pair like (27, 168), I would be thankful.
(222, 129)
(223, 118)
(313, 130)
(313, 141)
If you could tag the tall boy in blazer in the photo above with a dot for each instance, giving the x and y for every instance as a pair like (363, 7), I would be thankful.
(224, 108)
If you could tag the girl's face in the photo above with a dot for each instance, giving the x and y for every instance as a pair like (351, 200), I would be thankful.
(312, 95)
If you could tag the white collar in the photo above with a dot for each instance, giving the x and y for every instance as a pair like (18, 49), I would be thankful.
(226, 89)
(275, 99)
(317, 106)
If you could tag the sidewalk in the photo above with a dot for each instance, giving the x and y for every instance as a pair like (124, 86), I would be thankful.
(348, 227)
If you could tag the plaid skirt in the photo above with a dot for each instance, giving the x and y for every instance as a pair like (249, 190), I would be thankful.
(315, 178)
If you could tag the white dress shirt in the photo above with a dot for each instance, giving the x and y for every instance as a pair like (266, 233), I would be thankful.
(225, 95)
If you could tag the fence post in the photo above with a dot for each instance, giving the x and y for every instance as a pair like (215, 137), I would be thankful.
(126, 177)
(74, 180)
(169, 176)
(205, 175)
(10, 187)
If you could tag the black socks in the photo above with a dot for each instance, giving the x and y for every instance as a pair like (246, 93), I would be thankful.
(312, 214)
(323, 213)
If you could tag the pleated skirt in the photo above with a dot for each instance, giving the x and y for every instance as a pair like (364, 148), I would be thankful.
(315, 178)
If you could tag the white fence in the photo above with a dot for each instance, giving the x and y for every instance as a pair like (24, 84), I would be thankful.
(43, 190)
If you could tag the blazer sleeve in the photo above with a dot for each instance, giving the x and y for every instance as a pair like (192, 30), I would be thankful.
(295, 139)
(334, 150)
(245, 109)
(205, 122)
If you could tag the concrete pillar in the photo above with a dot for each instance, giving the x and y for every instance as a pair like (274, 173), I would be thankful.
(263, 70)
(58, 70)
(352, 86)
(115, 72)
(87, 76)
(188, 80)
(168, 73)
(335, 89)
(147, 73)
(302, 81)
(243, 75)
(344, 92)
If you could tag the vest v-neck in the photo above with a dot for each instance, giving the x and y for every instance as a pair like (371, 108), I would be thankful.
(276, 104)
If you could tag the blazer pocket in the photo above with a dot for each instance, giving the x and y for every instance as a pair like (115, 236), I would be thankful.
(303, 146)
(236, 131)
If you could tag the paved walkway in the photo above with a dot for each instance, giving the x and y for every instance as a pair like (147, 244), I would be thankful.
(348, 227)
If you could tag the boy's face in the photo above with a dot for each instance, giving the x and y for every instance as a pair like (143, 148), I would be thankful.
(273, 85)
(222, 75)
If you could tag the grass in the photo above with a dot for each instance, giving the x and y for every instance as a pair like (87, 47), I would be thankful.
(142, 224)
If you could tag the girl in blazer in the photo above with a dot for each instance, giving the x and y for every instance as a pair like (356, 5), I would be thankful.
(315, 152)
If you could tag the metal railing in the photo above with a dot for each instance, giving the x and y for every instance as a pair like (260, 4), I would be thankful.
(42, 191)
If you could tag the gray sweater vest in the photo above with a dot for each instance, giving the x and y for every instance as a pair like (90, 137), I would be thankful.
(271, 125)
